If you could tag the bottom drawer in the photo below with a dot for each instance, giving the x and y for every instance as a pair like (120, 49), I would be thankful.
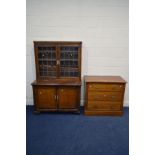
(101, 105)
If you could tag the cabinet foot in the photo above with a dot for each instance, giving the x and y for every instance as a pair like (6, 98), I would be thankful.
(77, 112)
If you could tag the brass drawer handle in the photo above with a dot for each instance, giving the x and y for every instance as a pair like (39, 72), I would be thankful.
(120, 86)
(113, 97)
(40, 92)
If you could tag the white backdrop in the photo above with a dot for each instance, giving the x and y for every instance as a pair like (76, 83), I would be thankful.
(101, 25)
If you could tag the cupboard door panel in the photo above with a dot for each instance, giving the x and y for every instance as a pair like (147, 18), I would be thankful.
(46, 98)
(69, 97)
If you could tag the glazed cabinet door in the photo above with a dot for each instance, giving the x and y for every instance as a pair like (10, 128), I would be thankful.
(70, 61)
(69, 97)
(46, 62)
(46, 97)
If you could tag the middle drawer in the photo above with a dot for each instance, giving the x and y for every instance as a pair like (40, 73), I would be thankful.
(104, 96)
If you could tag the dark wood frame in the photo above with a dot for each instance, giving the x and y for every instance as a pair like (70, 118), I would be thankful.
(57, 45)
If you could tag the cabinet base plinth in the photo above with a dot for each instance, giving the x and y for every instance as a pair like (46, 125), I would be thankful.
(36, 112)
(76, 111)
(102, 113)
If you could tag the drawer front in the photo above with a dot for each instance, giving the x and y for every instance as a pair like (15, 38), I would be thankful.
(105, 87)
(105, 96)
(101, 105)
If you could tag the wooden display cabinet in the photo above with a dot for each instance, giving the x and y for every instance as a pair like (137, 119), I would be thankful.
(58, 76)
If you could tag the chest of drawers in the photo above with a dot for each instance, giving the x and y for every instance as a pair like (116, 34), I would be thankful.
(104, 95)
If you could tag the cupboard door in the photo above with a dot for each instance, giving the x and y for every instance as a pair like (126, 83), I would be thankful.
(68, 97)
(46, 98)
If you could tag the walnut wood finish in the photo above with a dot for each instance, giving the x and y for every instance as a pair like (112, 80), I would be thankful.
(57, 83)
(105, 79)
(68, 97)
(103, 105)
(54, 89)
(106, 87)
(104, 95)
(56, 98)
(46, 97)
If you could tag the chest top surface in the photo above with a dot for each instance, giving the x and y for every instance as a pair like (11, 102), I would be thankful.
(104, 79)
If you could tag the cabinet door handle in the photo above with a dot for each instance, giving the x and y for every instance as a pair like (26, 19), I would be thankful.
(58, 62)
(55, 97)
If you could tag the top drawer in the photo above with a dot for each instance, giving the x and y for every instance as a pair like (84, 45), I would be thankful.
(105, 87)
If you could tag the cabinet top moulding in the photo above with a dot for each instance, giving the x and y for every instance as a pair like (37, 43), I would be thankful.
(57, 43)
